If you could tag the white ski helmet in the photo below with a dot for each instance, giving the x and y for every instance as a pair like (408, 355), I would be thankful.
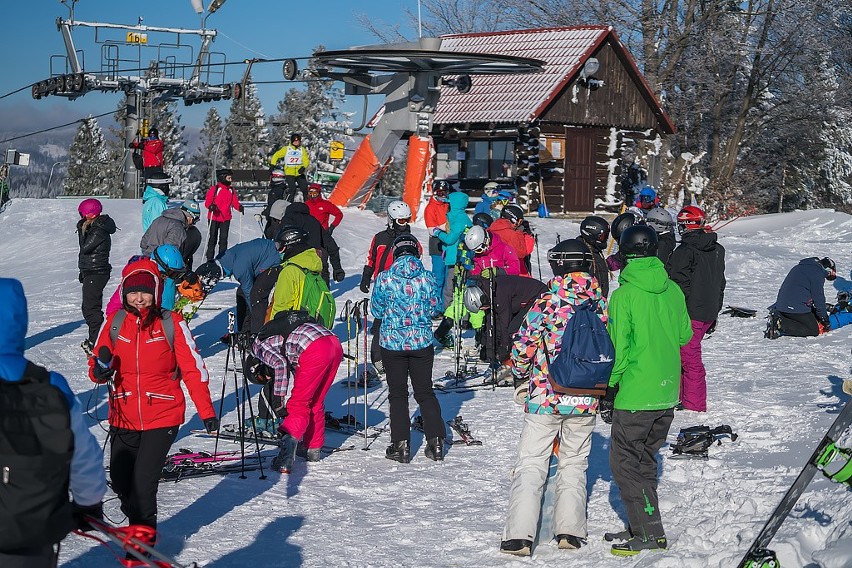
(660, 220)
(474, 298)
(477, 239)
(398, 210)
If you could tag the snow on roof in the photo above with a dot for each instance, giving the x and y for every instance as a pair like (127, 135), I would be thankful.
(517, 98)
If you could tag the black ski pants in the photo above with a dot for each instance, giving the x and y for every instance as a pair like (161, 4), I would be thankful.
(400, 366)
(93, 302)
(270, 406)
(190, 245)
(135, 466)
(799, 325)
(263, 285)
(45, 557)
(218, 231)
(635, 440)
(243, 312)
(294, 184)
(376, 351)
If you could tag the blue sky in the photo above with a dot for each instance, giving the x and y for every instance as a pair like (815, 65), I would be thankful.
(247, 29)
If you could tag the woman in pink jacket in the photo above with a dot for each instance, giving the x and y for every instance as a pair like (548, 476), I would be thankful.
(219, 201)
(490, 252)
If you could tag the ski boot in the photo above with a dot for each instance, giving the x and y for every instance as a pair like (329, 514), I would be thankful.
(635, 545)
(620, 535)
(517, 546)
(773, 326)
(569, 541)
(283, 462)
(434, 449)
(88, 347)
(399, 451)
(309, 454)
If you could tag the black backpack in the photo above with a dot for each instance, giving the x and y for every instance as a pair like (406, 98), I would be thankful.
(284, 323)
(36, 446)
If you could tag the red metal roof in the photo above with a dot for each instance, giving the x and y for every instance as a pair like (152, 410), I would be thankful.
(521, 98)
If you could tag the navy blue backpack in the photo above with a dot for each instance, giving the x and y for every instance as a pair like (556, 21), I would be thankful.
(586, 357)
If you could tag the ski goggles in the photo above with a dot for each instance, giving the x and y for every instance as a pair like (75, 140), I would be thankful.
(482, 248)
(403, 222)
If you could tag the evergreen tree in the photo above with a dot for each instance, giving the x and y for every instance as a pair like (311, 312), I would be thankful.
(87, 160)
(212, 140)
(165, 118)
(246, 133)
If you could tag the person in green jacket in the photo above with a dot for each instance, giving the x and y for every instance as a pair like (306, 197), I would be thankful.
(648, 324)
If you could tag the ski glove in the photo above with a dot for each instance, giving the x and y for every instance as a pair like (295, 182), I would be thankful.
(607, 404)
(211, 424)
(302, 171)
(214, 209)
(102, 372)
(242, 210)
(365, 279)
(339, 275)
(80, 514)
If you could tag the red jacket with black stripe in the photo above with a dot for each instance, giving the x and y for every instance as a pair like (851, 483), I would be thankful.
(148, 391)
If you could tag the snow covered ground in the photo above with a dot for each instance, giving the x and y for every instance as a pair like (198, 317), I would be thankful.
(355, 508)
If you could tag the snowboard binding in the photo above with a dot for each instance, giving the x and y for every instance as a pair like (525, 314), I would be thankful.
(696, 440)
(762, 559)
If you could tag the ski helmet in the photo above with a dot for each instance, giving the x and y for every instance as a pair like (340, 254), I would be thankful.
(512, 213)
(256, 371)
(209, 271)
(222, 174)
(441, 187)
(571, 255)
(191, 208)
(399, 213)
(405, 245)
(154, 133)
(314, 190)
(91, 207)
(660, 220)
(278, 209)
(474, 298)
(289, 237)
(620, 223)
(638, 241)
(648, 198)
(170, 261)
(596, 229)
(484, 220)
(477, 239)
(158, 179)
(277, 176)
(490, 189)
(690, 218)
(830, 268)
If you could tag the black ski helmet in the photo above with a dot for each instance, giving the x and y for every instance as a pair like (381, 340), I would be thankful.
(256, 371)
(222, 174)
(830, 268)
(638, 241)
(571, 255)
(405, 244)
(512, 213)
(289, 237)
(484, 220)
(596, 230)
(626, 219)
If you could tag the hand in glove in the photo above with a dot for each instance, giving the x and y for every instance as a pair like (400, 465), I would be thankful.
(241, 209)
(712, 328)
(211, 425)
(825, 323)
(80, 513)
(607, 404)
(102, 372)
(435, 231)
(214, 209)
(80, 277)
(302, 171)
(365, 279)
(331, 229)
(339, 275)
(525, 227)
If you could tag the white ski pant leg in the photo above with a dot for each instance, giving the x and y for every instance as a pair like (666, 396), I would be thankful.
(530, 475)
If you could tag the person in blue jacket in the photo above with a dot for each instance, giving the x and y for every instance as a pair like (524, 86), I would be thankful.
(800, 305)
(245, 262)
(489, 196)
(86, 478)
(405, 299)
(457, 223)
(154, 199)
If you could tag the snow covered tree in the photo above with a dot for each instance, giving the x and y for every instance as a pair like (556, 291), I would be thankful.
(211, 141)
(165, 118)
(247, 135)
(87, 161)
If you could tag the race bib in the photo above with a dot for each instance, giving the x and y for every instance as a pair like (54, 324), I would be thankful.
(293, 157)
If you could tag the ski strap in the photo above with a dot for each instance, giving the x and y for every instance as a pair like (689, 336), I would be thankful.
(168, 326)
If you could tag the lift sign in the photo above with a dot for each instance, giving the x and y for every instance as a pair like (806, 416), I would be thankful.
(136, 37)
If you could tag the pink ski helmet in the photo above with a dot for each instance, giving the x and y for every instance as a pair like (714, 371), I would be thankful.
(90, 206)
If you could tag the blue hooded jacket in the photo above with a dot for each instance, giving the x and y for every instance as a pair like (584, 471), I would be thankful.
(154, 202)
(457, 223)
(246, 260)
(802, 289)
(88, 481)
(405, 298)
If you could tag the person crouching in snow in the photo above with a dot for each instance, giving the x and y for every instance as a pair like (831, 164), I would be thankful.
(294, 341)
(550, 415)
(648, 324)
(800, 304)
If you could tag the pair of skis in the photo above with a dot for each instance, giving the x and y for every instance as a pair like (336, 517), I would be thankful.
(459, 427)
(235, 436)
(135, 541)
(187, 464)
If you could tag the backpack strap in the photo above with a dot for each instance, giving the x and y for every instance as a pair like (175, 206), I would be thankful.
(168, 326)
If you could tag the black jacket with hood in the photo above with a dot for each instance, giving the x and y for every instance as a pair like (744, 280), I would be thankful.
(698, 267)
(95, 245)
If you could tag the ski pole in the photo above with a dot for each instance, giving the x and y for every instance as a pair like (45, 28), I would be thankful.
(366, 301)
(231, 324)
(253, 423)
(347, 308)
(537, 255)
(493, 317)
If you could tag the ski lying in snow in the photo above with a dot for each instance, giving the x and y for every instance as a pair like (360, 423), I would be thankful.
(462, 430)
(235, 437)
(136, 541)
(350, 426)
(739, 312)
(758, 556)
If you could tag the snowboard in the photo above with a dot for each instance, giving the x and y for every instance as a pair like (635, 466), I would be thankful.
(739, 312)
(461, 429)
(758, 556)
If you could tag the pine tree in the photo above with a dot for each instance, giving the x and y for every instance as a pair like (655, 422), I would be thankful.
(87, 160)
(212, 141)
(246, 133)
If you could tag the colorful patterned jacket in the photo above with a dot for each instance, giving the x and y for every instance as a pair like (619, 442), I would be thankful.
(405, 298)
(545, 322)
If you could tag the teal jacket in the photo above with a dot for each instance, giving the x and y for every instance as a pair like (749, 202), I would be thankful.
(153, 204)
(648, 324)
(457, 224)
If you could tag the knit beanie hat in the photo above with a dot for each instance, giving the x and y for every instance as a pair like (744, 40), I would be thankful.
(139, 282)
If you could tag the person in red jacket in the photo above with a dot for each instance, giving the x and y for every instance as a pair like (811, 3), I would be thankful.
(152, 153)
(322, 209)
(219, 201)
(143, 361)
(510, 228)
(435, 216)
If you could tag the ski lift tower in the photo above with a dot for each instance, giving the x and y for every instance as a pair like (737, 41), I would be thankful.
(174, 72)
(410, 76)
